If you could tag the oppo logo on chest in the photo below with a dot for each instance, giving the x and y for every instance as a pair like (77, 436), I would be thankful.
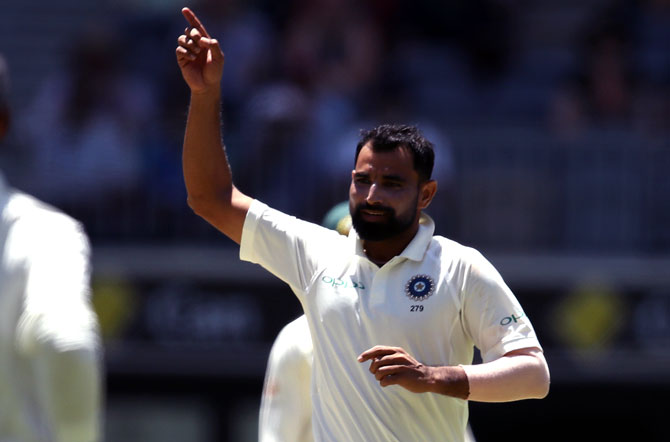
(337, 282)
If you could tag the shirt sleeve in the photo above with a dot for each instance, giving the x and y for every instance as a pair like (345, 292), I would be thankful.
(287, 247)
(493, 316)
(58, 330)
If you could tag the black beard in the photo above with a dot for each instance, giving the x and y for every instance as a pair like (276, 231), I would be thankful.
(379, 231)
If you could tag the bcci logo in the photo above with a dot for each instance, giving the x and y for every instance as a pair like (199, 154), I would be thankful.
(419, 287)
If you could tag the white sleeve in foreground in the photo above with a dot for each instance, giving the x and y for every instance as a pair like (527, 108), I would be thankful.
(59, 331)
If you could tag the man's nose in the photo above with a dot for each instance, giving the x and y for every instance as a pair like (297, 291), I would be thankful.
(374, 195)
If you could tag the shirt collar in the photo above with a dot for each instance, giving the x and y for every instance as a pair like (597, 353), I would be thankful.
(415, 250)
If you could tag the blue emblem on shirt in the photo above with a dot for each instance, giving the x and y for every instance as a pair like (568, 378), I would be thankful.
(419, 287)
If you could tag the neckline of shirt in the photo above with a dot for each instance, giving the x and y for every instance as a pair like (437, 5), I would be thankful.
(415, 250)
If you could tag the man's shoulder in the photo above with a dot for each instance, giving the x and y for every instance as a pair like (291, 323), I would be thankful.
(26, 206)
(453, 250)
(326, 241)
(294, 341)
(27, 212)
(469, 259)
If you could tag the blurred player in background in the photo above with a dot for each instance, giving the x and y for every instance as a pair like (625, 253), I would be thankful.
(50, 351)
(286, 404)
(412, 304)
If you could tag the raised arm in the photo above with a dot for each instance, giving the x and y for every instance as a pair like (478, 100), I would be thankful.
(207, 174)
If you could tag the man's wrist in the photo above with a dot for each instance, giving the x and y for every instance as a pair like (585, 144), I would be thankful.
(451, 381)
(206, 100)
(208, 93)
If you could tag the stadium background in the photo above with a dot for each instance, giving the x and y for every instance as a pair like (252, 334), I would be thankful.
(552, 124)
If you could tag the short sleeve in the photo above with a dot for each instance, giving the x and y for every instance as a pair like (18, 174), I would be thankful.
(287, 247)
(493, 316)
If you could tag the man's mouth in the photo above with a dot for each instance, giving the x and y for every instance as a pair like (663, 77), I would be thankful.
(374, 214)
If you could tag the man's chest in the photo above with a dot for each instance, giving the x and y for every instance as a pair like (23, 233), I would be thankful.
(409, 300)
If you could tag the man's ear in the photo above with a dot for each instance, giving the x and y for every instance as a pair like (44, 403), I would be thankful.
(427, 192)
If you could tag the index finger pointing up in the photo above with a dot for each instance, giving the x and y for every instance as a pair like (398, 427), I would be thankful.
(194, 22)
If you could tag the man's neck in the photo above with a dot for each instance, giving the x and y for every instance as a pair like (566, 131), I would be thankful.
(381, 252)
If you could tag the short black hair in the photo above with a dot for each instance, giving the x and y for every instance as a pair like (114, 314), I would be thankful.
(388, 137)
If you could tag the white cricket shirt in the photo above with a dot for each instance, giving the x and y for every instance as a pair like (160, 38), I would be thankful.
(50, 386)
(437, 300)
(286, 406)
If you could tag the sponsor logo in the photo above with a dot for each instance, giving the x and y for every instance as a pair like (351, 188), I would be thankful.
(507, 320)
(337, 282)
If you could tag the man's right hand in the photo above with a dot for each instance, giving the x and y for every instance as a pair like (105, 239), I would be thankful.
(199, 57)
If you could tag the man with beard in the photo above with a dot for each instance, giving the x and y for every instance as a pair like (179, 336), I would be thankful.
(286, 403)
(413, 304)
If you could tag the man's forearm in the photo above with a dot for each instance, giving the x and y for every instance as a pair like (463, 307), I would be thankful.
(450, 381)
(207, 175)
(515, 376)
(206, 170)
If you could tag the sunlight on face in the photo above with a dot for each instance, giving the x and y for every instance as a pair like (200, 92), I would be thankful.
(384, 192)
